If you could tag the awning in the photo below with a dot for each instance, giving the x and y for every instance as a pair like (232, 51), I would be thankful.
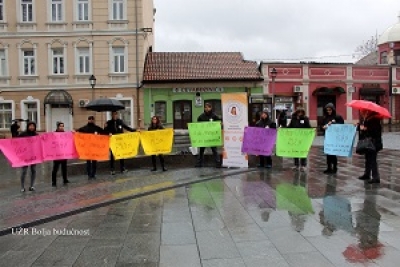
(372, 91)
(58, 97)
(329, 91)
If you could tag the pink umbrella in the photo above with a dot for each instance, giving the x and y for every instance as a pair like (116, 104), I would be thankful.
(371, 106)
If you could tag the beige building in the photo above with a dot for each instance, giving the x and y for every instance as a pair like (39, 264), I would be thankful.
(50, 48)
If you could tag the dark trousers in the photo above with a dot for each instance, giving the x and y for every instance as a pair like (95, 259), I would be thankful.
(267, 160)
(33, 175)
(56, 166)
(331, 161)
(200, 158)
(302, 161)
(112, 163)
(91, 166)
(371, 165)
(153, 160)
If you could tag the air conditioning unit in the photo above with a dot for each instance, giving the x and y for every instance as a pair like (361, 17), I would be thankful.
(298, 89)
(83, 102)
(396, 90)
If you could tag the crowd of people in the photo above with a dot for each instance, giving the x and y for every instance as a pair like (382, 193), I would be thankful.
(368, 127)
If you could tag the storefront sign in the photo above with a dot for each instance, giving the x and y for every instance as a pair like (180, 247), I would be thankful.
(235, 118)
(200, 90)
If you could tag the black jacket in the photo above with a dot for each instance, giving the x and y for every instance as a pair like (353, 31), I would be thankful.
(266, 123)
(117, 126)
(282, 119)
(153, 127)
(27, 132)
(208, 116)
(302, 122)
(14, 129)
(91, 128)
(332, 118)
(374, 131)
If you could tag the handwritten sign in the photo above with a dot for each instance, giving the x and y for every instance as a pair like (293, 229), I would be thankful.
(157, 142)
(205, 134)
(92, 146)
(125, 145)
(23, 151)
(339, 140)
(258, 141)
(294, 142)
(57, 146)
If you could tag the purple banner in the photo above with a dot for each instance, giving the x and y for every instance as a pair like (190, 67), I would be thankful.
(258, 141)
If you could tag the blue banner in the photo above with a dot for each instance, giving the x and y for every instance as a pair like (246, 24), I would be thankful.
(339, 140)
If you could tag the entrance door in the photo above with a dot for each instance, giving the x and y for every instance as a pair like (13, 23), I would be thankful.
(182, 113)
(60, 114)
(322, 101)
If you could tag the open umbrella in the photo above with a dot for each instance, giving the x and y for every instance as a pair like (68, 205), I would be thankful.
(368, 105)
(105, 104)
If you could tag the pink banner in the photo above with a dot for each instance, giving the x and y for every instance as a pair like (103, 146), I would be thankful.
(58, 146)
(22, 151)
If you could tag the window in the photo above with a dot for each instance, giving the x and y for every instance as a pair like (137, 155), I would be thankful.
(5, 115)
(384, 58)
(397, 57)
(1, 10)
(58, 61)
(118, 59)
(56, 10)
(126, 114)
(3, 63)
(161, 110)
(83, 10)
(216, 106)
(118, 9)
(29, 62)
(83, 61)
(32, 111)
(27, 10)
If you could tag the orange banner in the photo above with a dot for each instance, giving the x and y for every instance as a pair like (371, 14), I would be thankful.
(92, 146)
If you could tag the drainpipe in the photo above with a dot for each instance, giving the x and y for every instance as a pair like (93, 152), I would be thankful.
(137, 65)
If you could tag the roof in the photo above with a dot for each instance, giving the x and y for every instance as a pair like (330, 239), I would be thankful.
(370, 59)
(199, 66)
(392, 34)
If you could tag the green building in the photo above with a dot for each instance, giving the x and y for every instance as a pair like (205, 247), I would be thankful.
(177, 85)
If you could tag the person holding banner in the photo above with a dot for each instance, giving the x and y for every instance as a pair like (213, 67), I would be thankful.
(156, 125)
(116, 126)
(91, 127)
(265, 122)
(330, 117)
(30, 131)
(300, 120)
(208, 115)
(57, 163)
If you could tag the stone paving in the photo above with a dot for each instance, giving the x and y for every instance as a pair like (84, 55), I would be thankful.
(233, 218)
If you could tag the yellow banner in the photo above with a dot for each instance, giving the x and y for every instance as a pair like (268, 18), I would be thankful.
(125, 145)
(157, 142)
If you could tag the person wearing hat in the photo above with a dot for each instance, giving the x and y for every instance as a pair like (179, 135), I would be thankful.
(30, 131)
(265, 122)
(91, 127)
(57, 163)
(300, 120)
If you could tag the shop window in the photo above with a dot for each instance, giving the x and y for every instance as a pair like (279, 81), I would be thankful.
(216, 106)
(160, 109)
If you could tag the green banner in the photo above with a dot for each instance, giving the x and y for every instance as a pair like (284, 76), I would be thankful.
(205, 134)
(294, 142)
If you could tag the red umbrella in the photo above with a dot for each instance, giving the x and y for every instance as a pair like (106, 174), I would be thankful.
(371, 106)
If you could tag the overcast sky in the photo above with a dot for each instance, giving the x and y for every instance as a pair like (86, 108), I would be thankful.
(310, 30)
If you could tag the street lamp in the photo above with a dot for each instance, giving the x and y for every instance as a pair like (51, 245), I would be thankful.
(92, 81)
(273, 73)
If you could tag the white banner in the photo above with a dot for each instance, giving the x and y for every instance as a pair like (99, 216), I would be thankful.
(235, 119)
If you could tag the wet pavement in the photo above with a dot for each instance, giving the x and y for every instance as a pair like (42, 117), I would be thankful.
(210, 217)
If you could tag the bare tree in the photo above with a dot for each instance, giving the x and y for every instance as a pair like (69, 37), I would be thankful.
(367, 47)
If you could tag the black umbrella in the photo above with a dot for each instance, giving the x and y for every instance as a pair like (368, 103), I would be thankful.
(105, 104)
(20, 120)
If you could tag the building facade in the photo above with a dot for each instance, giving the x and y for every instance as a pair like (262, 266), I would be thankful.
(177, 85)
(50, 48)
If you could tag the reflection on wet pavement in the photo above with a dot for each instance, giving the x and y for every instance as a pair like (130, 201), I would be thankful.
(258, 218)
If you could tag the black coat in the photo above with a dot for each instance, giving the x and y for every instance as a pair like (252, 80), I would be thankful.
(266, 123)
(91, 128)
(208, 116)
(302, 122)
(374, 131)
(14, 129)
(332, 118)
(117, 126)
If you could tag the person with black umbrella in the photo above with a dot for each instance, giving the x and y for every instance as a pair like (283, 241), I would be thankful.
(116, 126)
